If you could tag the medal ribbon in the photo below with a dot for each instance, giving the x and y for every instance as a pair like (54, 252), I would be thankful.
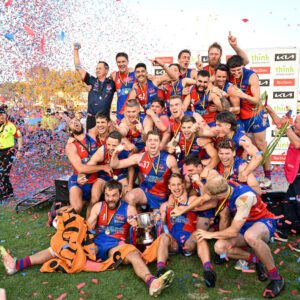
(157, 165)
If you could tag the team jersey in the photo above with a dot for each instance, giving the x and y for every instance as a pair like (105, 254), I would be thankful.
(135, 137)
(85, 149)
(155, 174)
(200, 103)
(100, 142)
(145, 95)
(234, 170)
(124, 83)
(183, 223)
(112, 224)
(175, 127)
(247, 110)
(117, 174)
(258, 211)
(187, 74)
(168, 90)
(210, 70)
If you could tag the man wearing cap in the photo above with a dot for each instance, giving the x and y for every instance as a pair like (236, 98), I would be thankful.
(8, 133)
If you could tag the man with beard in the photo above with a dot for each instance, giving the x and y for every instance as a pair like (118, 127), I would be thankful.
(228, 91)
(112, 219)
(155, 168)
(231, 165)
(181, 232)
(131, 127)
(8, 133)
(79, 150)
(252, 226)
(102, 129)
(102, 88)
(145, 90)
(252, 115)
(201, 98)
(215, 54)
(102, 157)
(175, 87)
(123, 79)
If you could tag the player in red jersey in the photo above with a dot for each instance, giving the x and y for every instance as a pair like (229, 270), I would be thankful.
(155, 168)
(180, 235)
(102, 129)
(145, 90)
(253, 225)
(252, 114)
(123, 79)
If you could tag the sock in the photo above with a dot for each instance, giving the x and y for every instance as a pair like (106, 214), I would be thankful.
(268, 174)
(160, 264)
(253, 258)
(149, 279)
(208, 266)
(274, 275)
(23, 263)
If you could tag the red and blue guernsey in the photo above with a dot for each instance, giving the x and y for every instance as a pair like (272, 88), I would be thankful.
(112, 229)
(189, 147)
(117, 174)
(187, 74)
(234, 169)
(201, 104)
(145, 94)
(85, 149)
(135, 137)
(171, 89)
(209, 69)
(257, 212)
(248, 110)
(155, 176)
(175, 127)
(181, 227)
(124, 83)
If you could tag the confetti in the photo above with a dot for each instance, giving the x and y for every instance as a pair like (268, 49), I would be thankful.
(62, 296)
(195, 275)
(119, 296)
(95, 281)
(80, 285)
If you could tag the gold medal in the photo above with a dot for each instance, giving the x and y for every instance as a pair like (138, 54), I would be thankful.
(115, 177)
(126, 91)
(107, 231)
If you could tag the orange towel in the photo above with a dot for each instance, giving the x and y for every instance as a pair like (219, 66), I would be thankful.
(73, 244)
(150, 254)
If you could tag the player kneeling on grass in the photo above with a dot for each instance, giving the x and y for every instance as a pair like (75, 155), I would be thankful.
(253, 225)
(181, 236)
(113, 218)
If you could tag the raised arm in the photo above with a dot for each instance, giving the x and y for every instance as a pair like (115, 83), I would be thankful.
(132, 160)
(77, 63)
(233, 43)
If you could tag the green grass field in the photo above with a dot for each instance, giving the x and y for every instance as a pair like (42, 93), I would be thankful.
(26, 233)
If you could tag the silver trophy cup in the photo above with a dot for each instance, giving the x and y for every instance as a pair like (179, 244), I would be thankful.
(144, 221)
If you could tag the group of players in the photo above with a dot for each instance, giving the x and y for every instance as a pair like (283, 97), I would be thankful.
(191, 139)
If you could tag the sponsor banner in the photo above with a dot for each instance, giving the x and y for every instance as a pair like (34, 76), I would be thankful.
(283, 95)
(278, 158)
(261, 70)
(284, 82)
(264, 82)
(159, 72)
(285, 56)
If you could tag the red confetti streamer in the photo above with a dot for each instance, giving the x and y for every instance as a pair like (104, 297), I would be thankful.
(119, 296)
(248, 271)
(80, 285)
(94, 280)
(245, 20)
(281, 263)
(288, 222)
(62, 296)
(8, 3)
(277, 251)
(43, 45)
(29, 30)
(224, 291)
(195, 275)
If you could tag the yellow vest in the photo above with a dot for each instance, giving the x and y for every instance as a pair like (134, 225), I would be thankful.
(8, 133)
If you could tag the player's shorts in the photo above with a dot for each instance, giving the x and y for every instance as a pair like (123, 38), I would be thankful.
(104, 246)
(154, 201)
(256, 124)
(209, 213)
(270, 223)
(181, 237)
(86, 188)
